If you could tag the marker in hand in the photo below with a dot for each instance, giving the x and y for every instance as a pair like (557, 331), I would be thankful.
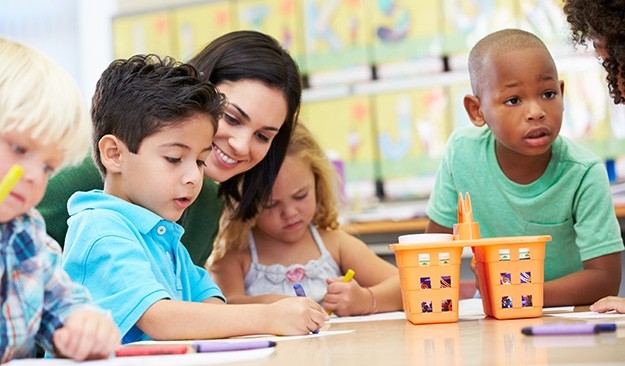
(299, 291)
(10, 179)
(349, 275)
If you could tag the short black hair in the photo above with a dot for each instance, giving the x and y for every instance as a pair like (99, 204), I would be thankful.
(138, 97)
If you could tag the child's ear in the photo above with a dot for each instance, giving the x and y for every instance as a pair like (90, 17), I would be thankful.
(472, 105)
(111, 148)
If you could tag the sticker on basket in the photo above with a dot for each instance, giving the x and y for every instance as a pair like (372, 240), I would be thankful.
(504, 254)
(505, 278)
(446, 305)
(445, 281)
(506, 302)
(443, 259)
(426, 306)
(426, 283)
(526, 300)
(526, 277)
(524, 253)
(424, 259)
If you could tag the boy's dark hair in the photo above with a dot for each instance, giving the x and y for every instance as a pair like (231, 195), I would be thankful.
(251, 55)
(138, 97)
(590, 20)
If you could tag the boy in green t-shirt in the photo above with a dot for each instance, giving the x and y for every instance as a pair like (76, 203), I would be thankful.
(525, 179)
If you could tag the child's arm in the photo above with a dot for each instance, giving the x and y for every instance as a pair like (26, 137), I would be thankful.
(375, 287)
(600, 277)
(229, 274)
(87, 334)
(609, 303)
(433, 227)
(172, 319)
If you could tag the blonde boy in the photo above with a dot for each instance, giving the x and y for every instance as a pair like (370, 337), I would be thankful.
(43, 127)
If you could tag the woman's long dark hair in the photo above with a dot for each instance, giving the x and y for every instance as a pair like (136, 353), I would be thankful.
(251, 55)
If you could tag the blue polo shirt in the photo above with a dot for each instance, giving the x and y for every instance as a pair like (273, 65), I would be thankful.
(129, 258)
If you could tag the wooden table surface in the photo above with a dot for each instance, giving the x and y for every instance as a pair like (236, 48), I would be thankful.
(484, 341)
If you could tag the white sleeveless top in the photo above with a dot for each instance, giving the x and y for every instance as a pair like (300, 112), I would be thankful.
(278, 279)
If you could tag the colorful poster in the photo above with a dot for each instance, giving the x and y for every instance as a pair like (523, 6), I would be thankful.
(457, 91)
(344, 129)
(141, 34)
(335, 34)
(279, 19)
(413, 127)
(466, 21)
(197, 25)
(404, 30)
(546, 20)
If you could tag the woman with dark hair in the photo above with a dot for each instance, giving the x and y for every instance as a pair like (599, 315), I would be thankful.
(263, 87)
(602, 23)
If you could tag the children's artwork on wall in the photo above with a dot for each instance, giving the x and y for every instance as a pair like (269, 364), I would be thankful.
(335, 34)
(466, 21)
(278, 18)
(344, 129)
(197, 25)
(143, 33)
(405, 30)
(412, 131)
(546, 20)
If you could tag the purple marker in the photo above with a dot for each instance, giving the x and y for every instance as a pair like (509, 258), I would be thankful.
(569, 329)
(202, 347)
(299, 291)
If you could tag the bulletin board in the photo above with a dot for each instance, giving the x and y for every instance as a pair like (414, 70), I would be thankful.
(143, 33)
(344, 128)
(335, 33)
(413, 127)
(196, 26)
(466, 21)
(402, 31)
(277, 18)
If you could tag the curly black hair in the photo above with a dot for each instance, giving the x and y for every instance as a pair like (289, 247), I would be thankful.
(603, 21)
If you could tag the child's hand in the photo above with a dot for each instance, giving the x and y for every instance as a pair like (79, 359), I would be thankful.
(474, 270)
(346, 298)
(609, 303)
(86, 335)
(296, 315)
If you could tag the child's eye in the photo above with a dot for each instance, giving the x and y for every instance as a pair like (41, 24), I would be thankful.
(49, 169)
(201, 163)
(173, 160)
(512, 101)
(550, 94)
(270, 205)
(301, 196)
(18, 149)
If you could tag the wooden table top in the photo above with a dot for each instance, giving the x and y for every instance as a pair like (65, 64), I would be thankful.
(484, 341)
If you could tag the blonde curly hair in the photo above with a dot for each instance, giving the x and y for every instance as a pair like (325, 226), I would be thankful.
(233, 234)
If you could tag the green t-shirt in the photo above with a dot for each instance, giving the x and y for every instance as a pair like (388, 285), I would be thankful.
(571, 201)
(200, 220)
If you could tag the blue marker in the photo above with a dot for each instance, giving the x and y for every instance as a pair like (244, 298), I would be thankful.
(299, 291)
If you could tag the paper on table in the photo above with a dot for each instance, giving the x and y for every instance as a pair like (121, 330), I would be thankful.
(393, 315)
(160, 360)
(268, 337)
(612, 316)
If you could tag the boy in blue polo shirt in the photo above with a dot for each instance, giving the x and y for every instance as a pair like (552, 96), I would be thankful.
(154, 122)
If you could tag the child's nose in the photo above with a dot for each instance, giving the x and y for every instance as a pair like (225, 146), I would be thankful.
(535, 111)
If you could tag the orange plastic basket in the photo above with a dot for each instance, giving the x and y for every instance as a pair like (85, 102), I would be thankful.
(511, 275)
(429, 275)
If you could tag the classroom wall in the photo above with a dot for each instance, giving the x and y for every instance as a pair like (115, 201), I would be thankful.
(385, 77)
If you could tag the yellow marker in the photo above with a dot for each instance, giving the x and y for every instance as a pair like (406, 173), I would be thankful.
(9, 181)
(348, 277)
